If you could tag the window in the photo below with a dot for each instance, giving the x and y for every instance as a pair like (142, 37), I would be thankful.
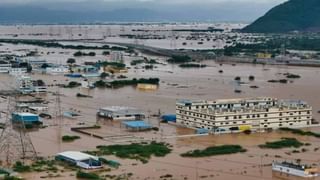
(226, 117)
(248, 116)
(265, 115)
(243, 121)
(280, 114)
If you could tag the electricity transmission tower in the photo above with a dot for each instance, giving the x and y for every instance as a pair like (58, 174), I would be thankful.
(15, 142)
(59, 118)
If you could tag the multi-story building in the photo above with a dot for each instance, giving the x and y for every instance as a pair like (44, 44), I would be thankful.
(5, 67)
(24, 84)
(256, 114)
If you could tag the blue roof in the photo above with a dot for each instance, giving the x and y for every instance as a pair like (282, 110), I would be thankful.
(137, 124)
(169, 117)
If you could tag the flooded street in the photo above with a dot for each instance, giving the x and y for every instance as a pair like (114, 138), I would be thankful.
(177, 83)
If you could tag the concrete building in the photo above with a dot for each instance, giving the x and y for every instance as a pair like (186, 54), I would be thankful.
(304, 171)
(116, 56)
(24, 84)
(121, 113)
(80, 159)
(57, 70)
(5, 68)
(18, 71)
(256, 114)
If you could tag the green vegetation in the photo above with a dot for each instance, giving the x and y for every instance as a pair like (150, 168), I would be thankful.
(3, 172)
(79, 53)
(110, 163)
(11, 178)
(282, 81)
(44, 165)
(104, 75)
(105, 53)
(20, 167)
(274, 44)
(214, 150)
(192, 65)
(179, 59)
(89, 176)
(140, 61)
(292, 76)
(52, 44)
(122, 83)
(293, 15)
(72, 84)
(301, 132)
(71, 61)
(100, 84)
(112, 64)
(68, 138)
(283, 143)
(251, 78)
(136, 62)
(83, 95)
(142, 152)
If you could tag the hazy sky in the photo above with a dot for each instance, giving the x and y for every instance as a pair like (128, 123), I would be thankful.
(229, 10)
(144, 1)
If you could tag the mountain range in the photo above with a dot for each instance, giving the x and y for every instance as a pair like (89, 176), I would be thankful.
(293, 15)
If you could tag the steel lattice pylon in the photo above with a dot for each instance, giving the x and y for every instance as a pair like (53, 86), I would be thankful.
(15, 142)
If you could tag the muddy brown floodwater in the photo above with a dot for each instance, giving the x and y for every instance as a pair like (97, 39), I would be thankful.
(177, 83)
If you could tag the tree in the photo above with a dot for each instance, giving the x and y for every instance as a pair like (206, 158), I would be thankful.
(44, 66)
(71, 61)
(104, 75)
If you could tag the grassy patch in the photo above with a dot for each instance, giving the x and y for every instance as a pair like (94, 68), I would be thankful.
(44, 165)
(142, 152)
(214, 150)
(84, 175)
(72, 84)
(68, 138)
(301, 132)
(192, 65)
(20, 167)
(177, 59)
(283, 143)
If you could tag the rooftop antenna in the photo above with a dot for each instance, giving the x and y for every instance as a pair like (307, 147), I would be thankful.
(15, 142)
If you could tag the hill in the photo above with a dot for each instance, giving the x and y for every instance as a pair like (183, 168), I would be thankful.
(293, 15)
